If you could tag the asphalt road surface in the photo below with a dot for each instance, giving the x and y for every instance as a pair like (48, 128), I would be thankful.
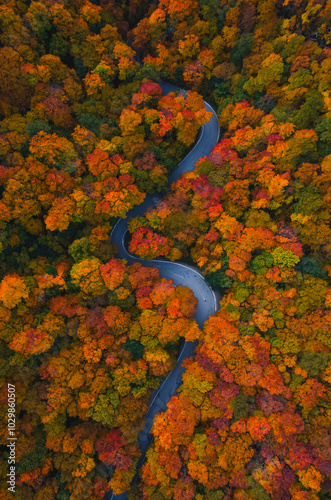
(181, 274)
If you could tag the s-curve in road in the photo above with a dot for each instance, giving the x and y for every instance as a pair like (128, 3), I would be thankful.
(181, 274)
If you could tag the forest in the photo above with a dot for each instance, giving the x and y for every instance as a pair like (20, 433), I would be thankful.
(85, 338)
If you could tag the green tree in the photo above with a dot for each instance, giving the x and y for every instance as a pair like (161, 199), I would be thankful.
(323, 130)
(242, 48)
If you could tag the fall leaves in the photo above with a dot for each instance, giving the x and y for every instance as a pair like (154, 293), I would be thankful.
(101, 351)
(147, 244)
(110, 176)
(230, 413)
(13, 290)
(252, 217)
(84, 134)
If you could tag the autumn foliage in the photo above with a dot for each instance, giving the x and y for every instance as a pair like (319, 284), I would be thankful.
(254, 217)
(102, 349)
(85, 134)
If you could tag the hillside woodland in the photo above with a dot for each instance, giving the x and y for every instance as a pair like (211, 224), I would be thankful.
(85, 134)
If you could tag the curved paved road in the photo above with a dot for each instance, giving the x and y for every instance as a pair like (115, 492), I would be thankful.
(181, 274)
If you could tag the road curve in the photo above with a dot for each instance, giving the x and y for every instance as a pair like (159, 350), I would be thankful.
(181, 274)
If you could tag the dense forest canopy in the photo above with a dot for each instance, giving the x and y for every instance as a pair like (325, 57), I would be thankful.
(85, 134)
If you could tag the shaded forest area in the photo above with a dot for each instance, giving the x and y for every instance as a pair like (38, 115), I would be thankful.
(84, 134)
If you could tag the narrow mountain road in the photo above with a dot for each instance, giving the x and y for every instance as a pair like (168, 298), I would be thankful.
(181, 274)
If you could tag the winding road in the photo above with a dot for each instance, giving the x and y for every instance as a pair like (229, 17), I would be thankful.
(181, 274)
